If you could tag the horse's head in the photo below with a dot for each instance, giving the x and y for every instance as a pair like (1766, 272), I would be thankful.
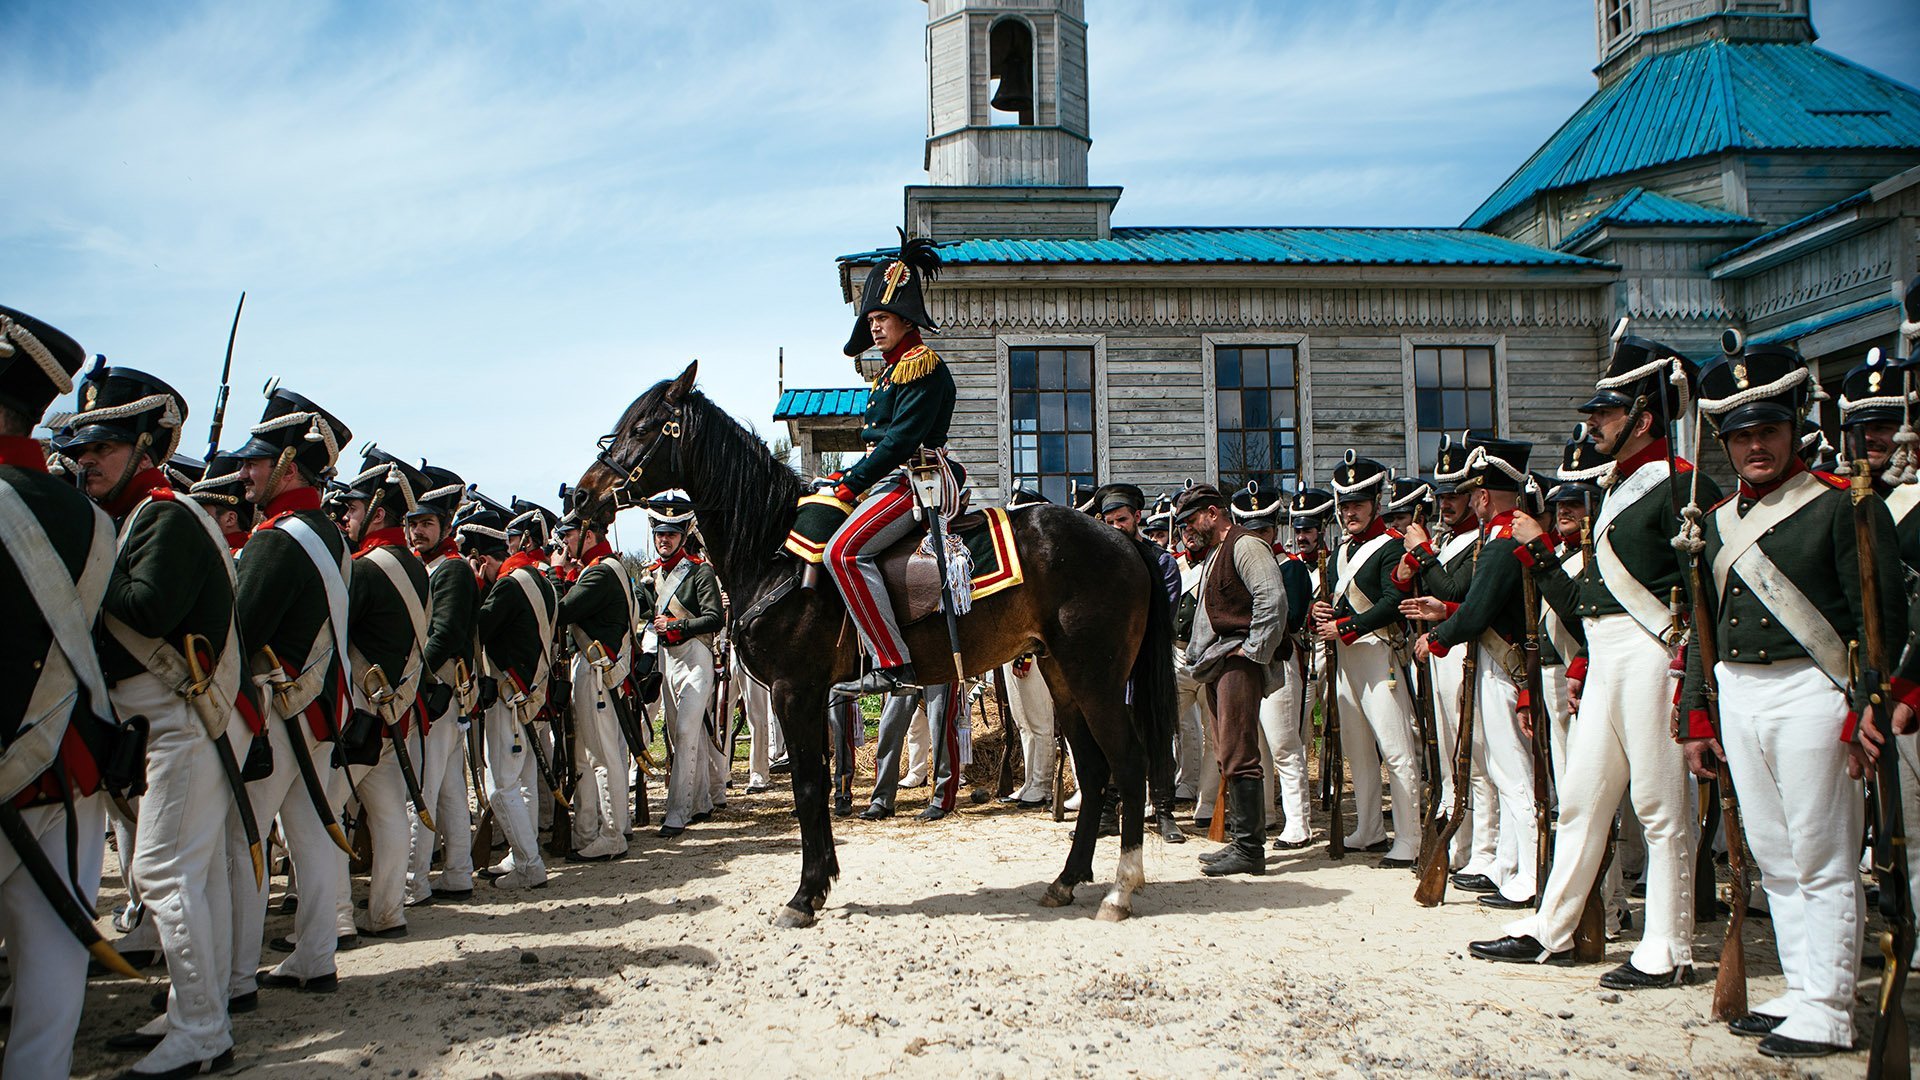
(642, 453)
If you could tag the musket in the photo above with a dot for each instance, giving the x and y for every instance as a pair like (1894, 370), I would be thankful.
(1887, 1053)
(481, 851)
(226, 372)
(1429, 735)
(539, 752)
(1333, 764)
(560, 724)
(297, 739)
(223, 749)
(68, 908)
(380, 692)
(1542, 738)
(1433, 873)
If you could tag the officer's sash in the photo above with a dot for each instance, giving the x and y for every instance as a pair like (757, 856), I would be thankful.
(213, 703)
(1648, 610)
(71, 661)
(1740, 552)
(408, 684)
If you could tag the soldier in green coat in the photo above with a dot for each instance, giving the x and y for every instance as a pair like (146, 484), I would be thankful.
(449, 691)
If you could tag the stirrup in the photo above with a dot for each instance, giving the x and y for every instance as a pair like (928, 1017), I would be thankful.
(892, 681)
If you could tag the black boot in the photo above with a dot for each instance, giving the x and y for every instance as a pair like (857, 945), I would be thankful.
(1248, 820)
(1169, 831)
(1110, 811)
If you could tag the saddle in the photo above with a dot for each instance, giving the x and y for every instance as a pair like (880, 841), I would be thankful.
(910, 573)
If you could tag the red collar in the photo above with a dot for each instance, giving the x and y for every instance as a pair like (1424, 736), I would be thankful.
(906, 345)
(447, 547)
(1756, 493)
(22, 452)
(287, 502)
(594, 554)
(1505, 517)
(1374, 528)
(144, 483)
(1654, 451)
(237, 540)
(379, 538)
(519, 559)
(667, 564)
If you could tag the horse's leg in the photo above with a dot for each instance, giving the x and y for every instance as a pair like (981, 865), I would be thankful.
(1131, 874)
(803, 715)
(1090, 773)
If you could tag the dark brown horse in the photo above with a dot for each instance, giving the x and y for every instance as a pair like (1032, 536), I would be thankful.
(1092, 607)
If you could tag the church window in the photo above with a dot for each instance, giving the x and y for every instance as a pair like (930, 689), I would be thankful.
(1010, 72)
(1453, 391)
(1051, 411)
(1256, 406)
(1619, 15)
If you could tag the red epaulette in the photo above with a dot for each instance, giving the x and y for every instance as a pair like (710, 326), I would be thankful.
(272, 521)
(1833, 480)
(1503, 532)
(1393, 532)
(166, 493)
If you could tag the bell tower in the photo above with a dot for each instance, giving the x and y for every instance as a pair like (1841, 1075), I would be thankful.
(1630, 29)
(1007, 123)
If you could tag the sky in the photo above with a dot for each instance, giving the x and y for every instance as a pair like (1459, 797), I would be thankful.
(476, 231)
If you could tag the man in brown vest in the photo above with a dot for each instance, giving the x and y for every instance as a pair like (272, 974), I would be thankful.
(1237, 625)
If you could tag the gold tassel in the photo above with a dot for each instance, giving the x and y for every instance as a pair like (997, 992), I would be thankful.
(918, 363)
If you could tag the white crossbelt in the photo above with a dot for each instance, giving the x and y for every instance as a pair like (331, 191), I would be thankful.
(408, 684)
(333, 578)
(1648, 610)
(1740, 552)
(527, 704)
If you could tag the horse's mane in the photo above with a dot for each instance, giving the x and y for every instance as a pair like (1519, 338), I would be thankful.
(747, 496)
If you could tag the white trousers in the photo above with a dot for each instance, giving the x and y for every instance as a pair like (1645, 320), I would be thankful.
(322, 866)
(443, 784)
(180, 864)
(1781, 726)
(1032, 705)
(513, 782)
(1909, 748)
(1621, 744)
(1283, 750)
(142, 938)
(1476, 843)
(1510, 767)
(684, 697)
(602, 810)
(1376, 725)
(388, 814)
(49, 966)
(766, 744)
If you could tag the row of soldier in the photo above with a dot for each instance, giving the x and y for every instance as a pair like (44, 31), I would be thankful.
(209, 657)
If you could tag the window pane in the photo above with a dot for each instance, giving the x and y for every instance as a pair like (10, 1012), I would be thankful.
(1480, 410)
(1227, 403)
(1086, 484)
(1079, 412)
(1426, 404)
(1280, 367)
(1255, 412)
(1053, 369)
(1022, 363)
(1253, 367)
(1280, 405)
(1080, 369)
(1231, 456)
(1026, 411)
(1453, 367)
(1226, 368)
(1053, 453)
(1053, 412)
(1480, 368)
(1429, 450)
(1080, 453)
(1426, 367)
(1453, 408)
(1054, 488)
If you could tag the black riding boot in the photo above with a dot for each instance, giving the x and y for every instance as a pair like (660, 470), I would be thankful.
(1248, 820)
(1110, 810)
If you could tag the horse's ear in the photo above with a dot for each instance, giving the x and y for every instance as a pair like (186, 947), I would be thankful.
(682, 386)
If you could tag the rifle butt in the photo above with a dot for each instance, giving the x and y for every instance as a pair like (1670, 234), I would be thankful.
(1590, 933)
(1730, 984)
(482, 850)
(1433, 880)
(1217, 828)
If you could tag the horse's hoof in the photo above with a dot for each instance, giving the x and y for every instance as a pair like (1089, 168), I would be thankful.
(1057, 895)
(792, 918)
(1111, 912)
(817, 902)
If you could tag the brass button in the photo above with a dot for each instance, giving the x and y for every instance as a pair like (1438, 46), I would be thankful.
(1763, 654)
(1764, 622)
(1736, 590)
(1734, 621)
(1736, 652)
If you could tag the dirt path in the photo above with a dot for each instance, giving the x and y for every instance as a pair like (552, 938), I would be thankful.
(933, 958)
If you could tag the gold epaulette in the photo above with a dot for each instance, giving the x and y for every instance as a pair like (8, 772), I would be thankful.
(918, 363)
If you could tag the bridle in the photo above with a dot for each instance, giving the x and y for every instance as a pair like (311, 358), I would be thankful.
(629, 475)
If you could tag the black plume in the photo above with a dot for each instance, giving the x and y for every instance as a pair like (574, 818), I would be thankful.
(919, 253)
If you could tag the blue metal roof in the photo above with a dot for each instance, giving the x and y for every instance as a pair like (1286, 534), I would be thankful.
(796, 404)
(1712, 97)
(1793, 331)
(1258, 245)
(1642, 207)
(1858, 198)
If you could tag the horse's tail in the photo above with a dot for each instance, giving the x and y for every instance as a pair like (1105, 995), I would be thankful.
(1154, 689)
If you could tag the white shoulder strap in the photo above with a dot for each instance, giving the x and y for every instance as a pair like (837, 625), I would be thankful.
(542, 616)
(333, 575)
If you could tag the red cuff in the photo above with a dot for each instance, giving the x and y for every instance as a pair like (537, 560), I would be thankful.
(1434, 646)
(1907, 692)
(1698, 726)
(1524, 555)
(1348, 635)
(1577, 669)
(1852, 725)
(1523, 700)
(673, 635)
(845, 494)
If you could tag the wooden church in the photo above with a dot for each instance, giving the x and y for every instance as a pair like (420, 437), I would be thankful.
(1727, 172)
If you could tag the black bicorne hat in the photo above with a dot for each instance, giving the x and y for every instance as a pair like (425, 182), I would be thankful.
(1877, 390)
(1496, 464)
(37, 363)
(530, 519)
(1580, 491)
(221, 485)
(443, 492)
(1085, 500)
(1406, 493)
(897, 284)
(1358, 479)
(670, 511)
(1254, 508)
(1117, 496)
(1640, 369)
(395, 484)
(1450, 464)
(1025, 497)
(1160, 518)
(1310, 506)
(289, 420)
(481, 530)
(119, 404)
(183, 471)
(1581, 459)
(1754, 385)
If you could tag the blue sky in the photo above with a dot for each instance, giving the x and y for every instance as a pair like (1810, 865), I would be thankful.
(475, 231)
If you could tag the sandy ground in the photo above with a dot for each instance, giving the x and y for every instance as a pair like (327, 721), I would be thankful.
(934, 958)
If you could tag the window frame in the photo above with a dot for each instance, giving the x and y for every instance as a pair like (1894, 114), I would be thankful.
(1303, 394)
(1003, 378)
(1410, 342)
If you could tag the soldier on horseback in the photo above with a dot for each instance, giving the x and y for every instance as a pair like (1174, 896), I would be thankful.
(907, 416)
